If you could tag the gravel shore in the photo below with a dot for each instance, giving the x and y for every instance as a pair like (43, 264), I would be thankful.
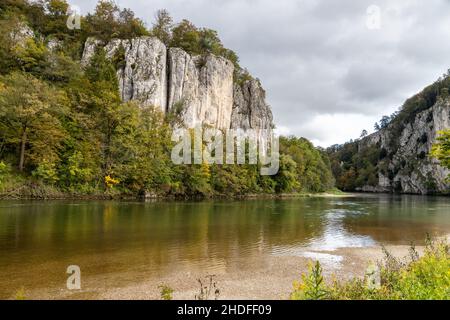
(270, 278)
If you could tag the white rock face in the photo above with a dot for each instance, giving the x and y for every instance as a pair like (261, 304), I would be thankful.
(54, 44)
(250, 110)
(22, 32)
(90, 46)
(200, 89)
(142, 75)
(409, 167)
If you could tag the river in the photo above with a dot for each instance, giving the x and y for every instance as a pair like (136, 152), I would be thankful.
(121, 242)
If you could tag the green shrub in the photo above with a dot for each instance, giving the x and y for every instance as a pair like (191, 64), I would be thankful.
(441, 149)
(46, 171)
(418, 278)
(166, 292)
(4, 171)
(20, 294)
(312, 286)
(426, 278)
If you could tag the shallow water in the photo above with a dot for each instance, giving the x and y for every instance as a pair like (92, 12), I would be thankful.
(130, 241)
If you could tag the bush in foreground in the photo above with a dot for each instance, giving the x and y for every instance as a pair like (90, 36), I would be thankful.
(417, 278)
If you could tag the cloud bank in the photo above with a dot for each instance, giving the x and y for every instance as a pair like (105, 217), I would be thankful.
(327, 74)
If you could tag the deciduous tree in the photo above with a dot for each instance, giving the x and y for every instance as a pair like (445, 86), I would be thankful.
(30, 112)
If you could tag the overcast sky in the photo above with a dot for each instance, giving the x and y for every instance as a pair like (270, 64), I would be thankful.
(329, 69)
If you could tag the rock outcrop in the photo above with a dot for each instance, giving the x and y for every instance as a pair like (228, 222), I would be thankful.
(90, 46)
(250, 110)
(21, 33)
(141, 72)
(199, 89)
(407, 166)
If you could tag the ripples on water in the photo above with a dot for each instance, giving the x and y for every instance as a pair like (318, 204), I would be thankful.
(156, 238)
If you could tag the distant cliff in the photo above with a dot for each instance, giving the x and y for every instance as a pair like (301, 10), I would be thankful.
(199, 88)
(397, 157)
(408, 168)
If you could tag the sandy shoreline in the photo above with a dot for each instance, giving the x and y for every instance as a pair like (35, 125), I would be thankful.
(272, 282)
(271, 279)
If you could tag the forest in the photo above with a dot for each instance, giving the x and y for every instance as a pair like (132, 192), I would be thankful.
(64, 131)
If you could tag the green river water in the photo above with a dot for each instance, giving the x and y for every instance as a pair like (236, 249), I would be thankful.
(39, 239)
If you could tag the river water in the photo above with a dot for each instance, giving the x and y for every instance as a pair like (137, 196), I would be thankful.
(39, 239)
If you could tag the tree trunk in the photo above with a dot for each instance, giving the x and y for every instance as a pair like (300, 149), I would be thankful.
(22, 149)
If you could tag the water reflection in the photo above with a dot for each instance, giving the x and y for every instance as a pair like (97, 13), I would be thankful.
(151, 239)
(335, 234)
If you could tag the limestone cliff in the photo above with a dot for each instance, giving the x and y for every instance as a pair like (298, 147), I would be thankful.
(142, 73)
(250, 110)
(406, 166)
(200, 89)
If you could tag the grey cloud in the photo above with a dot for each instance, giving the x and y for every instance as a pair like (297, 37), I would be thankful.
(317, 57)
